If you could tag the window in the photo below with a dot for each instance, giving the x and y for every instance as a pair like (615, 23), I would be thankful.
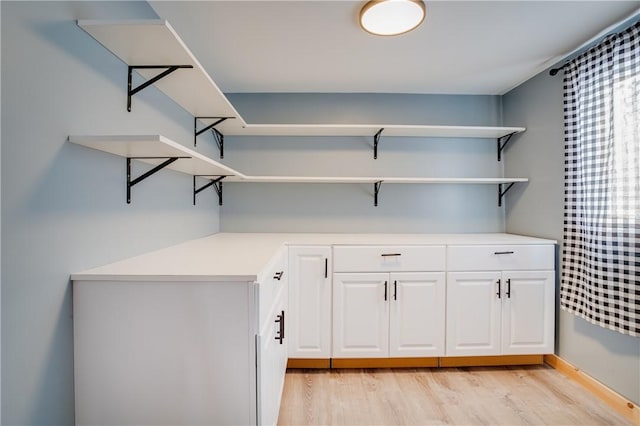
(625, 170)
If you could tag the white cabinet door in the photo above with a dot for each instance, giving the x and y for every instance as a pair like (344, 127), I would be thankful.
(309, 322)
(417, 314)
(473, 313)
(272, 362)
(360, 315)
(528, 312)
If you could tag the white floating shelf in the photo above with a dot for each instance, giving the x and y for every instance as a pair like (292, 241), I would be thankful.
(154, 42)
(372, 179)
(155, 149)
(372, 129)
(131, 146)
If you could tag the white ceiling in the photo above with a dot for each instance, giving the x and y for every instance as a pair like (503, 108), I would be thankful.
(463, 47)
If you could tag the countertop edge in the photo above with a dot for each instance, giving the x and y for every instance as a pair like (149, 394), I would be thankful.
(249, 253)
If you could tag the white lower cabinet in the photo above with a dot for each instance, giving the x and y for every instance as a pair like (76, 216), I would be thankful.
(309, 321)
(182, 352)
(509, 312)
(156, 352)
(388, 314)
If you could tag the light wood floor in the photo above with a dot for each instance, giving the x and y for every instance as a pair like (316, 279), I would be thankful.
(457, 396)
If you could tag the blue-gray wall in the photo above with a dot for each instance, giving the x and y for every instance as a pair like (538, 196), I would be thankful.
(349, 207)
(610, 357)
(63, 206)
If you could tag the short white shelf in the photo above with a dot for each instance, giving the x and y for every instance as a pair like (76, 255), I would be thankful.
(154, 42)
(161, 153)
(152, 149)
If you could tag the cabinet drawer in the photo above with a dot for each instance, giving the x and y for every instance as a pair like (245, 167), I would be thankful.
(271, 283)
(388, 258)
(500, 258)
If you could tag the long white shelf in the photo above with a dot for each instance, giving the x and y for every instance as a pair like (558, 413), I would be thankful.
(371, 129)
(153, 149)
(372, 179)
(154, 42)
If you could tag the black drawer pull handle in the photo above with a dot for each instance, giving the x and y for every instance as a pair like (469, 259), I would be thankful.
(326, 267)
(503, 252)
(498, 293)
(280, 332)
(278, 275)
(509, 288)
(390, 254)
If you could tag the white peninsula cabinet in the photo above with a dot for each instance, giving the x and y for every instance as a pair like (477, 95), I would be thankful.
(180, 349)
(310, 308)
(388, 301)
(500, 300)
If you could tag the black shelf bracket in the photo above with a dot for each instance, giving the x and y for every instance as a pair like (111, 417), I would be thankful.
(216, 183)
(376, 189)
(168, 69)
(502, 143)
(130, 183)
(376, 139)
(218, 137)
(501, 192)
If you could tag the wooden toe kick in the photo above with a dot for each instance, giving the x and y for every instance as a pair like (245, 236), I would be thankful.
(487, 361)
(309, 363)
(466, 361)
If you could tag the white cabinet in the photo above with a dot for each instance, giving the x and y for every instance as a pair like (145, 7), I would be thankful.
(309, 321)
(397, 315)
(381, 308)
(502, 312)
(159, 352)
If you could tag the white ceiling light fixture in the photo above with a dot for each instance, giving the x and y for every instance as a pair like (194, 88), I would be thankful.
(392, 17)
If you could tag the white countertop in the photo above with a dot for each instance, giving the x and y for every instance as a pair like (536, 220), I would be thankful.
(241, 257)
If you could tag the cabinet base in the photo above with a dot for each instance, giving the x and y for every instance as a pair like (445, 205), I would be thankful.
(383, 362)
(486, 361)
(309, 363)
(457, 361)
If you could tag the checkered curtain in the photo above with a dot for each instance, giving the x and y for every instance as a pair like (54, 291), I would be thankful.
(601, 249)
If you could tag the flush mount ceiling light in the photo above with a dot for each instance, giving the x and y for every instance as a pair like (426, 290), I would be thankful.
(392, 17)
